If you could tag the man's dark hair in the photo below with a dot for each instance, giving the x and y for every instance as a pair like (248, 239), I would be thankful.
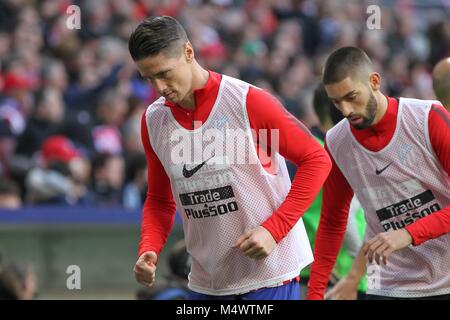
(347, 62)
(157, 34)
(99, 161)
(324, 107)
(322, 104)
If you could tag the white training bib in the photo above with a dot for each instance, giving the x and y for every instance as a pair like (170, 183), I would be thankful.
(222, 190)
(396, 186)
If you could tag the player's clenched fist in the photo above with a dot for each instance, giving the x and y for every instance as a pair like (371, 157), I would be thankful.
(256, 244)
(145, 268)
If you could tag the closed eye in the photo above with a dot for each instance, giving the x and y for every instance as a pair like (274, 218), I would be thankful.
(160, 75)
(163, 75)
(145, 78)
(149, 80)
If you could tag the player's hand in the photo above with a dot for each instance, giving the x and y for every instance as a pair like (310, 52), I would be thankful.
(145, 268)
(257, 243)
(383, 244)
(345, 289)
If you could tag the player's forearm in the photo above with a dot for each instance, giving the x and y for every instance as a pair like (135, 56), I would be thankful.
(158, 217)
(358, 269)
(439, 133)
(328, 242)
(306, 185)
(438, 223)
(430, 227)
(158, 213)
(337, 195)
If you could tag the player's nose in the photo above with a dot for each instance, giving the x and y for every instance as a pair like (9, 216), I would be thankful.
(160, 86)
(345, 108)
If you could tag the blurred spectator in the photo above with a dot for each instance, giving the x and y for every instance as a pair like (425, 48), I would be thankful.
(438, 32)
(16, 103)
(45, 121)
(308, 116)
(108, 173)
(135, 190)
(9, 194)
(57, 180)
(131, 128)
(327, 113)
(111, 111)
(54, 76)
(15, 107)
(83, 93)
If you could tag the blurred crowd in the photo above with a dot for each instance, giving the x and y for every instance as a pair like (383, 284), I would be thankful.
(71, 100)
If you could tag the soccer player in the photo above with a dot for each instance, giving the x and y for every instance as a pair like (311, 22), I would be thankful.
(328, 116)
(441, 82)
(241, 219)
(394, 154)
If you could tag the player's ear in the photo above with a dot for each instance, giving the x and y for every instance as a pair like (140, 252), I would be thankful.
(189, 52)
(375, 81)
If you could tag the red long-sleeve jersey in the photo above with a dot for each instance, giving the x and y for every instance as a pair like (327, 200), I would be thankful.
(265, 112)
(337, 194)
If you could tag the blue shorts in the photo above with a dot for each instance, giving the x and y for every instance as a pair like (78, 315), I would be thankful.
(289, 291)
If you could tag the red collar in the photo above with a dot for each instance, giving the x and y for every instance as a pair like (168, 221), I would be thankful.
(204, 101)
(202, 94)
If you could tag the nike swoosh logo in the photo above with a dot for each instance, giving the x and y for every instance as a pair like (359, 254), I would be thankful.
(189, 173)
(378, 172)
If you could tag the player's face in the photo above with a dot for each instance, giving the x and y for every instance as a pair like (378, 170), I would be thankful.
(355, 100)
(171, 76)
